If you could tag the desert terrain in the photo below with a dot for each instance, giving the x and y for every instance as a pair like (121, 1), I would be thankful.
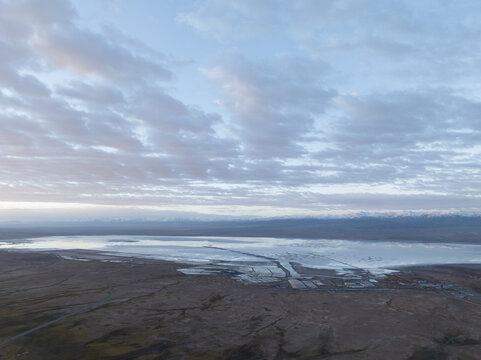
(130, 308)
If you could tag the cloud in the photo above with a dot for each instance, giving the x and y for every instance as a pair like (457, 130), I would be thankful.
(274, 105)
(81, 108)
(236, 19)
(340, 117)
(401, 40)
(87, 53)
(100, 94)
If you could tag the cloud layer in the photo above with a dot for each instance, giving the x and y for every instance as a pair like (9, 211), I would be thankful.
(358, 105)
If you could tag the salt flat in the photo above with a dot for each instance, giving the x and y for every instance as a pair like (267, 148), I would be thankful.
(376, 257)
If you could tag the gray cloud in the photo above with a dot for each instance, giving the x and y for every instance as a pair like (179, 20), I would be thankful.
(274, 106)
(100, 94)
(116, 124)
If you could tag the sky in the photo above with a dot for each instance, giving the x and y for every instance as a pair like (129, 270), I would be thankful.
(213, 108)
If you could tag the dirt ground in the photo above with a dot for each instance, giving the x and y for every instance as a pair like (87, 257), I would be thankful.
(145, 309)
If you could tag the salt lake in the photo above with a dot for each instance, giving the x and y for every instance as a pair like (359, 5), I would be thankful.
(264, 258)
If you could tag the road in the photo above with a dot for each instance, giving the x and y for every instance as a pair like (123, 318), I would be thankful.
(75, 312)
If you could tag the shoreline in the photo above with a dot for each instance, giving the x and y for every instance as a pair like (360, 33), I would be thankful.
(406, 277)
(271, 258)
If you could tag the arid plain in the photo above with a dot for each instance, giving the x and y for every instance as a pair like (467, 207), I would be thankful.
(146, 309)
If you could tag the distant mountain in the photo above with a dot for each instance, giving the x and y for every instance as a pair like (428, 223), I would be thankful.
(426, 228)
